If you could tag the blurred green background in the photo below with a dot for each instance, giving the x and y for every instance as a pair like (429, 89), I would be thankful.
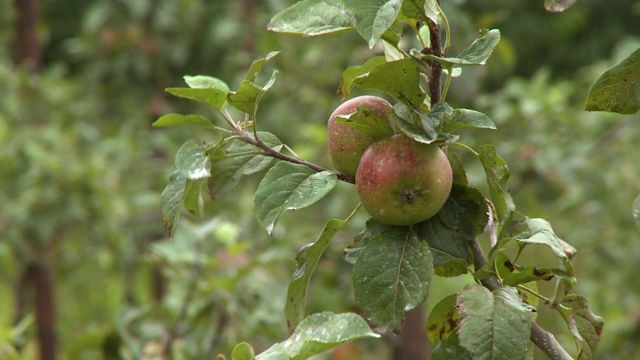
(81, 170)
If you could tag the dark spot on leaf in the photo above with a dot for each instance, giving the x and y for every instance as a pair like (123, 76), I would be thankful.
(509, 265)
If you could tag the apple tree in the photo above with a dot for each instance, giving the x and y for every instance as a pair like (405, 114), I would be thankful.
(452, 226)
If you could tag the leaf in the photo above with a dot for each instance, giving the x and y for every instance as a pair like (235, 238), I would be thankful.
(392, 275)
(538, 231)
(353, 72)
(288, 186)
(373, 17)
(497, 173)
(171, 201)
(372, 229)
(215, 97)
(450, 349)
(495, 325)
(192, 198)
(450, 248)
(618, 89)
(206, 82)
(416, 132)
(558, 5)
(399, 79)
(192, 161)
(584, 325)
(242, 351)
(258, 64)
(513, 274)
(459, 174)
(312, 18)
(444, 319)
(307, 260)
(476, 54)
(180, 119)
(248, 96)
(367, 122)
(318, 333)
(432, 10)
(238, 159)
(465, 211)
(465, 119)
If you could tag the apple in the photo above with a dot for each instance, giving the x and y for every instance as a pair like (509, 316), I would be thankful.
(347, 143)
(402, 182)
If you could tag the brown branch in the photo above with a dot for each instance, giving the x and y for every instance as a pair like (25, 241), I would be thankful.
(268, 151)
(435, 81)
(43, 289)
(27, 46)
(543, 339)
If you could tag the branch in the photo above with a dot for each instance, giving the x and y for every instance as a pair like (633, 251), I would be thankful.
(543, 339)
(436, 68)
(268, 151)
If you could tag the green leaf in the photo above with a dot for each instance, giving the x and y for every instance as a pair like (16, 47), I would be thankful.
(432, 10)
(192, 161)
(476, 54)
(537, 231)
(193, 199)
(373, 17)
(171, 201)
(353, 72)
(399, 79)
(258, 64)
(557, 6)
(459, 174)
(372, 229)
(450, 247)
(318, 333)
(206, 82)
(444, 319)
(214, 97)
(242, 351)
(585, 326)
(465, 119)
(513, 274)
(465, 210)
(450, 349)
(494, 325)
(412, 11)
(180, 119)
(249, 94)
(392, 275)
(618, 89)
(497, 173)
(307, 260)
(288, 186)
(312, 18)
(238, 159)
(416, 132)
(367, 122)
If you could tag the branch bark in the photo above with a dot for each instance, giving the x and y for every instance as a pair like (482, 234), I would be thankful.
(543, 339)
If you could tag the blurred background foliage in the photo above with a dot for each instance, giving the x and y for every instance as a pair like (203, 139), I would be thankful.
(81, 169)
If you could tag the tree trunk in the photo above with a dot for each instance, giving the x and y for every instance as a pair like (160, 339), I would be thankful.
(27, 48)
(413, 344)
(42, 281)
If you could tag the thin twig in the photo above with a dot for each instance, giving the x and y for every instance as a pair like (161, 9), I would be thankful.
(268, 151)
